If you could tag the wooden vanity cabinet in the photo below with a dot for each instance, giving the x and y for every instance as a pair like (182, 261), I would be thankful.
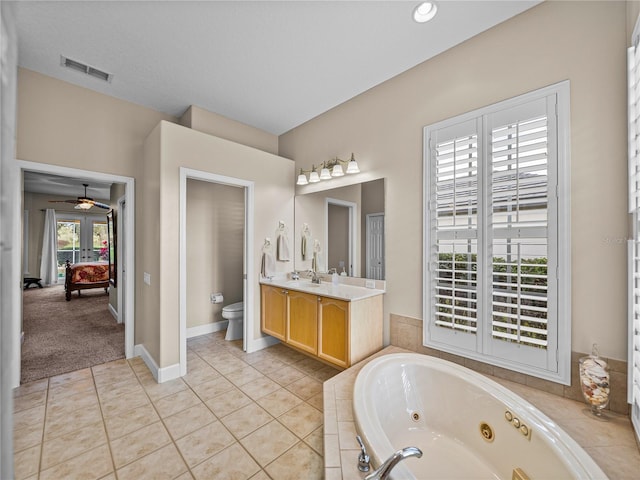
(273, 311)
(336, 331)
(333, 331)
(302, 324)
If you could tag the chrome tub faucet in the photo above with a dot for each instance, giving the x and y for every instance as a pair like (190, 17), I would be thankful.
(385, 469)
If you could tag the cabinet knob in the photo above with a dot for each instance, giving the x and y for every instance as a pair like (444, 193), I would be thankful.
(319, 299)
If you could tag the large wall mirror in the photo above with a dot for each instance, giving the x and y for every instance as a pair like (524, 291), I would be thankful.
(342, 228)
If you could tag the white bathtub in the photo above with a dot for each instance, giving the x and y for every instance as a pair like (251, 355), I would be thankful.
(408, 399)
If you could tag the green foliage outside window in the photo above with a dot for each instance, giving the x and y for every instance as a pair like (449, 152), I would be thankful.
(518, 291)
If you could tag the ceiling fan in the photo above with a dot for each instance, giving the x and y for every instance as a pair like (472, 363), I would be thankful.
(83, 203)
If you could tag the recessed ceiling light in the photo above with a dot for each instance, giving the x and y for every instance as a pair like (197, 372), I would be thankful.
(425, 12)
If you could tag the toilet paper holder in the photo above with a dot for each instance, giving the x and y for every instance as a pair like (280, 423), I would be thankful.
(217, 298)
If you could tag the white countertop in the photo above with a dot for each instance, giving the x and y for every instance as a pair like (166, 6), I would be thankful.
(325, 289)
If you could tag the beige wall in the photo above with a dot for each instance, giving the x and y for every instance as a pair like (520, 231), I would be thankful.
(583, 42)
(62, 124)
(147, 327)
(215, 241)
(172, 146)
(208, 122)
(633, 10)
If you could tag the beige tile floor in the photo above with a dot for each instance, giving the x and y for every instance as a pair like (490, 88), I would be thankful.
(233, 416)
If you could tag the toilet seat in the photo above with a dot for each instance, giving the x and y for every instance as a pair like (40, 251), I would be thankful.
(234, 307)
(233, 311)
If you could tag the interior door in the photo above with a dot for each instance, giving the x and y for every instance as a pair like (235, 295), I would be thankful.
(375, 246)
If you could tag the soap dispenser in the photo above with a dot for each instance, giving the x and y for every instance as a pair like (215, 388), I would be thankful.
(343, 273)
(334, 278)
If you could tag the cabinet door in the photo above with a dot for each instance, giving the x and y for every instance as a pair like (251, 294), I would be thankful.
(273, 312)
(333, 328)
(302, 328)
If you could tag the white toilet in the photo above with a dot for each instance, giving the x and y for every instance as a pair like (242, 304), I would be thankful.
(235, 314)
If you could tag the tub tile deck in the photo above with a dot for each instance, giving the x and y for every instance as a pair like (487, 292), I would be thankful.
(611, 443)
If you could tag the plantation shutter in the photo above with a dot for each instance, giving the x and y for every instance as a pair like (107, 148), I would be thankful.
(634, 244)
(454, 208)
(496, 287)
(521, 253)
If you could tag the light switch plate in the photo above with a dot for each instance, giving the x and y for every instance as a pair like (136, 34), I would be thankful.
(370, 283)
(147, 278)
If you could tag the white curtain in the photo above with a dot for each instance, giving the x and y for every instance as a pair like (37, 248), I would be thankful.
(49, 262)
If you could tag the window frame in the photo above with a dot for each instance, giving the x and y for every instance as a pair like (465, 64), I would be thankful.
(561, 221)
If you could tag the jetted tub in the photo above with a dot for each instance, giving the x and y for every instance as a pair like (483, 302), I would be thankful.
(467, 426)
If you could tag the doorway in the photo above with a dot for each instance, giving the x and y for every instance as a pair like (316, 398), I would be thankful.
(126, 237)
(247, 252)
(340, 230)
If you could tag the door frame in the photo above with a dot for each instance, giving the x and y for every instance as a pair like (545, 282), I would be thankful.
(248, 273)
(353, 228)
(121, 247)
(128, 237)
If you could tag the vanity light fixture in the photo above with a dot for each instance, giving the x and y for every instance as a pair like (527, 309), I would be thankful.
(302, 179)
(313, 176)
(329, 169)
(425, 11)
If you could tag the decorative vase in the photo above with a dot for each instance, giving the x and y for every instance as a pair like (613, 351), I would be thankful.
(594, 380)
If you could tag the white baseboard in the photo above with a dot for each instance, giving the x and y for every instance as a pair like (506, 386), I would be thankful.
(207, 328)
(113, 312)
(160, 374)
(260, 343)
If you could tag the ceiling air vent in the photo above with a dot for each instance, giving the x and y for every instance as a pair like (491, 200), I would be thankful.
(86, 69)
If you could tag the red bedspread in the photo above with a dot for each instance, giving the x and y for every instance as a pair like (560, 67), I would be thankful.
(93, 272)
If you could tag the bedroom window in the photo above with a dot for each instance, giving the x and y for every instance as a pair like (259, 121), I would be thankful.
(497, 234)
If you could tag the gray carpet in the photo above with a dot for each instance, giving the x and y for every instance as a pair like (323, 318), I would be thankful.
(61, 336)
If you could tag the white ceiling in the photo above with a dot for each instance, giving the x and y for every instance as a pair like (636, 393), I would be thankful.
(269, 64)
(72, 188)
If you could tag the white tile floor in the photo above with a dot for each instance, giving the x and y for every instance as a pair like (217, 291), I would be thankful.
(233, 416)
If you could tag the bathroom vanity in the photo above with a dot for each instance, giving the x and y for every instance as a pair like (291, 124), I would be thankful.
(339, 324)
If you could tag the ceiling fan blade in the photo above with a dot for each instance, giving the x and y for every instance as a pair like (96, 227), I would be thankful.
(102, 205)
(64, 201)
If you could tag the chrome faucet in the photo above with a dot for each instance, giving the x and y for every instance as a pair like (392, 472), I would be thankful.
(315, 278)
(363, 458)
(385, 469)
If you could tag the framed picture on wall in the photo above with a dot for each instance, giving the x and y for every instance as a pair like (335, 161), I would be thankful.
(113, 242)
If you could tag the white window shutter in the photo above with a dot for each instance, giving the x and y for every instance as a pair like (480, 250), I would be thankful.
(633, 57)
(521, 246)
(492, 234)
(453, 252)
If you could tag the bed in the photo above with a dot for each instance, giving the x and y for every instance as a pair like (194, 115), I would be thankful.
(81, 276)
